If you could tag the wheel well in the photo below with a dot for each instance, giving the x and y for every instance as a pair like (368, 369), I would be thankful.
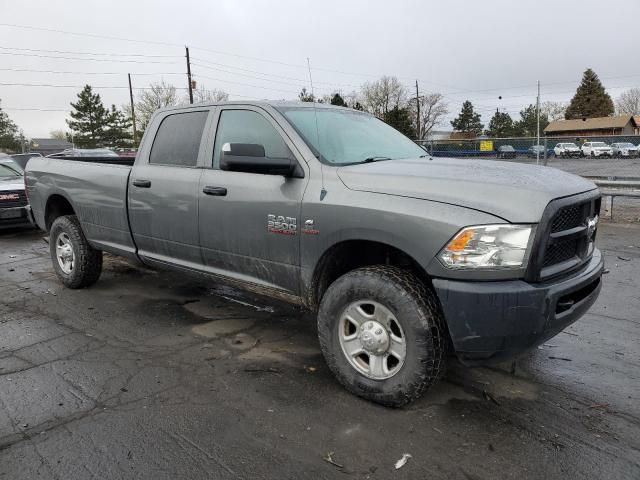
(57, 206)
(351, 254)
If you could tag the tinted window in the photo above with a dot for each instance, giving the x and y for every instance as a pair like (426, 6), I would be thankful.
(178, 139)
(246, 126)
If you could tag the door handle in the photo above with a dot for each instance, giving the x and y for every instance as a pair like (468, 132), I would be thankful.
(215, 191)
(142, 183)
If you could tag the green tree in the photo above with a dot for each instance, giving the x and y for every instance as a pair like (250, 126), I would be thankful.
(591, 100)
(305, 96)
(527, 126)
(89, 119)
(468, 120)
(401, 119)
(10, 135)
(500, 126)
(337, 99)
(117, 129)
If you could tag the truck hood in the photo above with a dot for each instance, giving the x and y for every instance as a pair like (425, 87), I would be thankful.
(515, 192)
(11, 183)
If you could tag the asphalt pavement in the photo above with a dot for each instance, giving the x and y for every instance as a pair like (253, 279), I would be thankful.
(155, 375)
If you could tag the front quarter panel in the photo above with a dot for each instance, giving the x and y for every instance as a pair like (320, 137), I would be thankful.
(419, 228)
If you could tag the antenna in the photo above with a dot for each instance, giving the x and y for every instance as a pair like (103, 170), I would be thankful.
(323, 190)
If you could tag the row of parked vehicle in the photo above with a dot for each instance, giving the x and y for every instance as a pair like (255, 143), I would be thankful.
(597, 149)
(569, 149)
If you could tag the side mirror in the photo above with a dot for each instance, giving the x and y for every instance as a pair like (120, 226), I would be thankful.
(251, 158)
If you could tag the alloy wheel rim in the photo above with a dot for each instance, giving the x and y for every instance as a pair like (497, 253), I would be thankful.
(372, 339)
(64, 253)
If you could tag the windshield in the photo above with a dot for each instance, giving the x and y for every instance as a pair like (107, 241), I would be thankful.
(598, 144)
(568, 145)
(624, 145)
(9, 168)
(348, 136)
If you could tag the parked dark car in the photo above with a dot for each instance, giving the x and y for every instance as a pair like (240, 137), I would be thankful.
(534, 150)
(22, 158)
(506, 151)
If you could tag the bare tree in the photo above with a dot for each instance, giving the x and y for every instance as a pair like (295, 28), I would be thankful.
(432, 110)
(158, 95)
(629, 102)
(383, 95)
(553, 110)
(201, 94)
(58, 134)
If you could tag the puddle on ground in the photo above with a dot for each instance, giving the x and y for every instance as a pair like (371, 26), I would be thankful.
(220, 328)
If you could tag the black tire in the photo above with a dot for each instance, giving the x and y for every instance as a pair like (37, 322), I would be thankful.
(87, 264)
(417, 311)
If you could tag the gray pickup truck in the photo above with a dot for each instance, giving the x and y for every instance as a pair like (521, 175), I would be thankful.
(405, 258)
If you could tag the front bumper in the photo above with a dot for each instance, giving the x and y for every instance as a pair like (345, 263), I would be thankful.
(15, 217)
(495, 321)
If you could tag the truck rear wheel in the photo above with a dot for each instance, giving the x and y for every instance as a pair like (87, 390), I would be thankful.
(76, 263)
(382, 334)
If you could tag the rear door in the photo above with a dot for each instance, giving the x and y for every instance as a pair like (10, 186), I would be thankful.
(163, 189)
(235, 233)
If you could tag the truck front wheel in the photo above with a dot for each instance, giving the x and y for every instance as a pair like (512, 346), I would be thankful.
(382, 334)
(76, 263)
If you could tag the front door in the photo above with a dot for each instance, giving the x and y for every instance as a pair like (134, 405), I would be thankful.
(250, 223)
(163, 191)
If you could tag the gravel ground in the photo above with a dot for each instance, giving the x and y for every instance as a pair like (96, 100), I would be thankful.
(158, 375)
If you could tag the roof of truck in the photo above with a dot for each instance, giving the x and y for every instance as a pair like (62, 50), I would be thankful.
(258, 103)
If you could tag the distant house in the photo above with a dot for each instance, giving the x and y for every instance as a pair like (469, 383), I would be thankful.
(46, 146)
(439, 135)
(462, 135)
(601, 126)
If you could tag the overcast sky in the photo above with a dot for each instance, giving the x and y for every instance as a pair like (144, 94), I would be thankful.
(477, 50)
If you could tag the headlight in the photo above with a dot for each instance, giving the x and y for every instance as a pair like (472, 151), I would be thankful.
(488, 247)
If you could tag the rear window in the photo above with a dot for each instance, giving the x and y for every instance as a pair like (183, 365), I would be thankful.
(178, 139)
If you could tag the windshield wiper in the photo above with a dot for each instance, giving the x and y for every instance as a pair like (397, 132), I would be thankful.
(375, 159)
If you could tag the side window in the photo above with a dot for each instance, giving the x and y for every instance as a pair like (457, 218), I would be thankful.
(178, 139)
(246, 126)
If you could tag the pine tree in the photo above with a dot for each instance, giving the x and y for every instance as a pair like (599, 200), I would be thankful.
(501, 125)
(337, 99)
(400, 119)
(89, 119)
(118, 129)
(591, 100)
(527, 126)
(468, 120)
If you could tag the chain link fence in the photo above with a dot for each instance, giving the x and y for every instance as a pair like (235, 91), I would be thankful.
(617, 176)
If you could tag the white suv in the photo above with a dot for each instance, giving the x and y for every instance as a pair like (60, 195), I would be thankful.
(566, 150)
(596, 149)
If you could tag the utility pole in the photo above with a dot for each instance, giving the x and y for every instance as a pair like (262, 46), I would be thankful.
(418, 112)
(189, 76)
(133, 111)
(538, 126)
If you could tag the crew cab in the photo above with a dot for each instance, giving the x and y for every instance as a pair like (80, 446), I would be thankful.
(596, 149)
(562, 150)
(405, 258)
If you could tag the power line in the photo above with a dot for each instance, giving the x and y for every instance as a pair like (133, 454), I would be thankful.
(76, 86)
(90, 53)
(86, 59)
(246, 84)
(86, 73)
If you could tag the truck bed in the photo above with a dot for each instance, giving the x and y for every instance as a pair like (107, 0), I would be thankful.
(96, 188)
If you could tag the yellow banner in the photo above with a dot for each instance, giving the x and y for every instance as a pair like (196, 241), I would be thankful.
(486, 145)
